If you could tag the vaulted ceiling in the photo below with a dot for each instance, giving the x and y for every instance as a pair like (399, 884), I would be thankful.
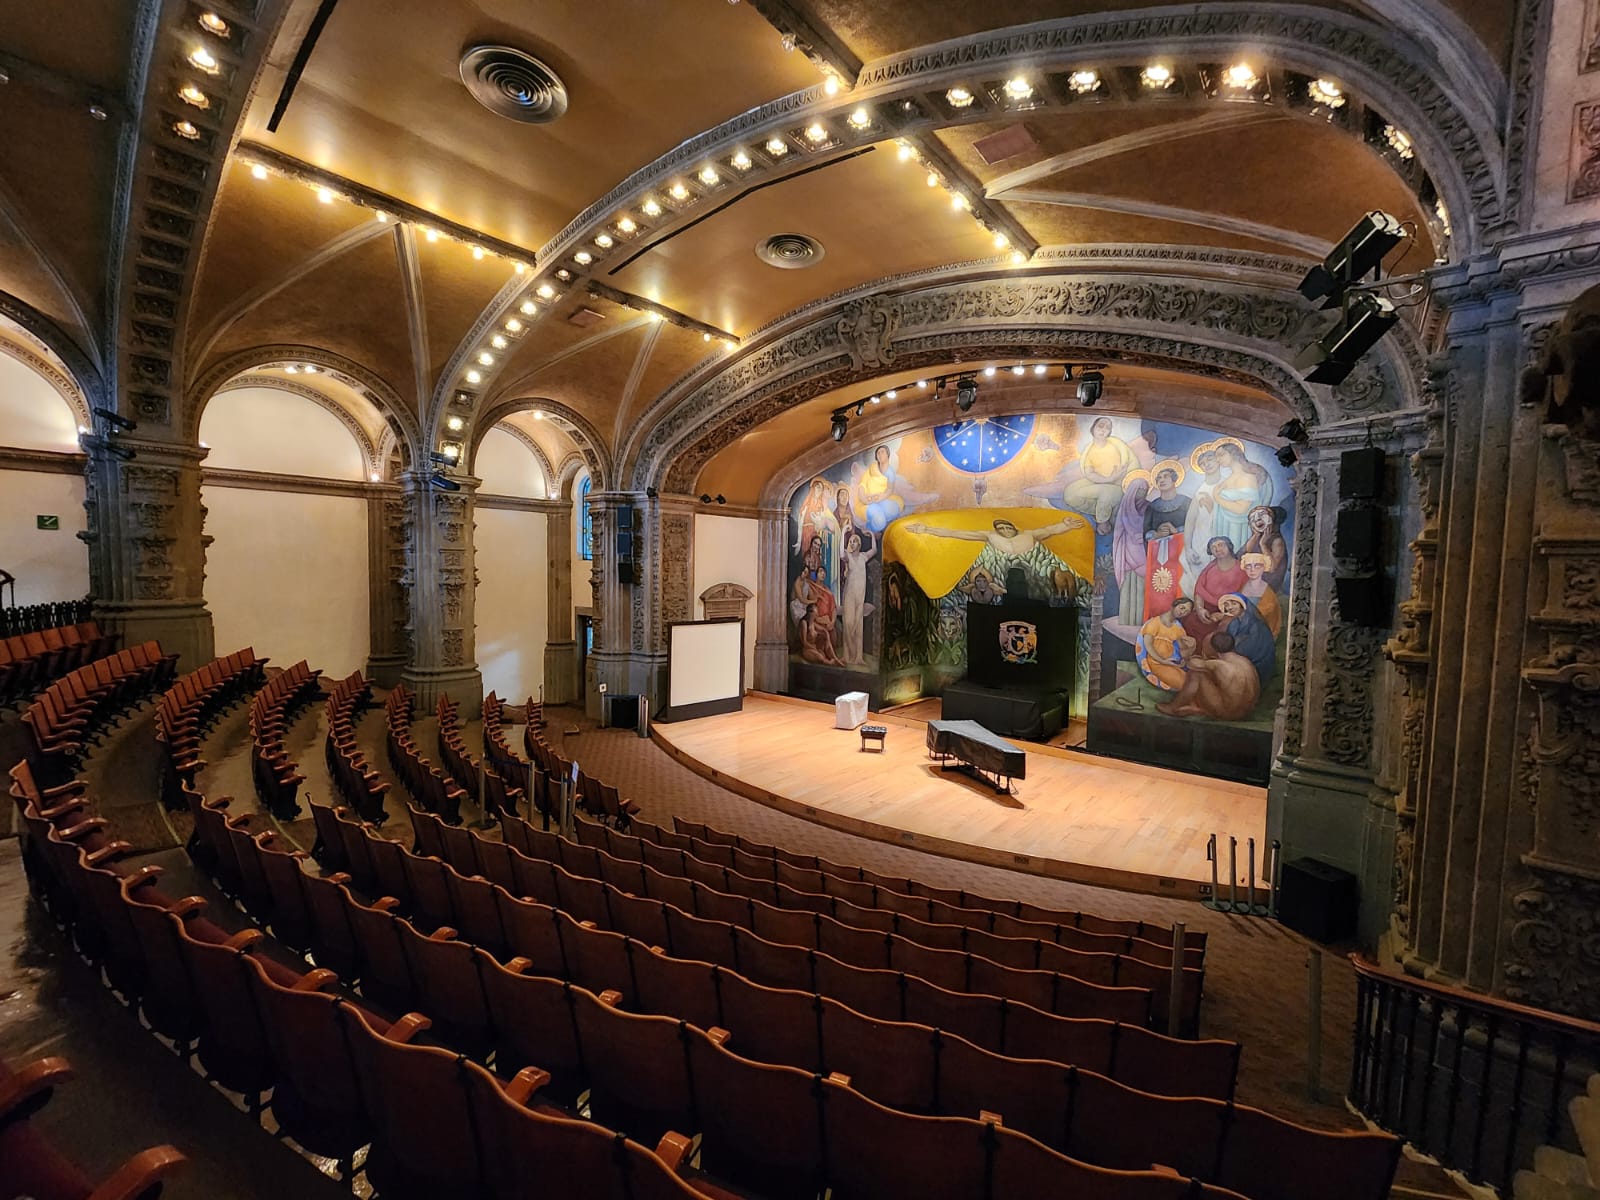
(394, 221)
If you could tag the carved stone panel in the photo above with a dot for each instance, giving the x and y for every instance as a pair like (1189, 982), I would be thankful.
(724, 601)
(1583, 165)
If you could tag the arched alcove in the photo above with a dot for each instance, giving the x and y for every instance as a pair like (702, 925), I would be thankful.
(41, 480)
(508, 466)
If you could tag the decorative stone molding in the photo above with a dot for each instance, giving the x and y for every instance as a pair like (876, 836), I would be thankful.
(85, 376)
(45, 367)
(1307, 486)
(725, 601)
(1222, 329)
(1553, 960)
(1583, 166)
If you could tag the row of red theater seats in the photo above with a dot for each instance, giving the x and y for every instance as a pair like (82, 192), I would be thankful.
(950, 898)
(259, 1023)
(645, 1086)
(276, 778)
(952, 955)
(29, 661)
(498, 795)
(592, 796)
(550, 766)
(424, 781)
(846, 899)
(34, 1165)
(189, 708)
(361, 786)
(492, 917)
(68, 715)
(502, 759)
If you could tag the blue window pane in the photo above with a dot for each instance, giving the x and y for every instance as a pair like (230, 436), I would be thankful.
(586, 530)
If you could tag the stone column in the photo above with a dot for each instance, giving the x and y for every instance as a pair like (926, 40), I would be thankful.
(609, 661)
(560, 649)
(147, 547)
(666, 595)
(772, 611)
(388, 584)
(443, 580)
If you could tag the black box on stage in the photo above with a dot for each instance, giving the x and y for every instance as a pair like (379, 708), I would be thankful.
(1361, 474)
(1357, 532)
(1317, 900)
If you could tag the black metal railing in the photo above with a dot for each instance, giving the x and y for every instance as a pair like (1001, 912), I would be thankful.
(1475, 1082)
(35, 618)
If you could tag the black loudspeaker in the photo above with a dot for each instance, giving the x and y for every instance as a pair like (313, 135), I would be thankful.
(1362, 600)
(1361, 474)
(1357, 533)
(1317, 900)
(622, 712)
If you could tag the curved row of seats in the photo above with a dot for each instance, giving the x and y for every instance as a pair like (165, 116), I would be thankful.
(954, 955)
(462, 895)
(599, 799)
(361, 786)
(32, 659)
(331, 1063)
(276, 777)
(35, 1166)
(503, 760)
(643, 1080)
(424, 781)
(191, 706)
(952, 898)
(855, 902)
(497, 794)
(66, 717)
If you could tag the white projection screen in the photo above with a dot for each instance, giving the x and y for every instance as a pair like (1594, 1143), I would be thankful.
(705, 669)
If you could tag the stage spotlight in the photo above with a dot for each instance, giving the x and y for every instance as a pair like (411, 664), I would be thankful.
(443, 482)
(1293, 430)
(1288, 455)
(651, 493)
(1366, 319)
(1091, 384)
(106, 446)
(860, 407)
(116, 419)
(705, 497)
(966, 393)
(841, 426)
(1361, 252)
(721, 499)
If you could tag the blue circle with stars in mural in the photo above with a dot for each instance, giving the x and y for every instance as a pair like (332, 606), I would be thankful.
(982, 444)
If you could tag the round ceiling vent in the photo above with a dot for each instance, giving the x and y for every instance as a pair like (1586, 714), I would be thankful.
(790, 251)
(513, 84)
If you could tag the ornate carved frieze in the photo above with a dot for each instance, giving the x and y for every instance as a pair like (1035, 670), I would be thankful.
(1554, 942)
(1583, 165)
(1349, 666)
(1307, 486)
(675, 563)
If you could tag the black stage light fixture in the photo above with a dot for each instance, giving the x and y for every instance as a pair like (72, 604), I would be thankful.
(1361, 252)
(1293, 430)
(705, 497)
(966, 393)
(1366, 319)
(115, 419)
(860, 407)
(1288, 455)
(721, 499)
(443, 482)
(841, 426)
(89, 442)
(1091, 384)
(651, 493)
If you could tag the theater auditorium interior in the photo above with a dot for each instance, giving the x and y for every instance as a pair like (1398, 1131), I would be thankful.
(800, 598)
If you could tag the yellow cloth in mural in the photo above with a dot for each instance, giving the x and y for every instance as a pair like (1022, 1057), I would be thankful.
(937, 560)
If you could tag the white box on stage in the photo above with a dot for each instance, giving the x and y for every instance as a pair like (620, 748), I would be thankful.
(849, 710)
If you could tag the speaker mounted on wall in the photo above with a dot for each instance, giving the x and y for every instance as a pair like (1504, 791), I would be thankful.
(1361, 474)
(1362, 600)
(624, 542)
(1357, 534)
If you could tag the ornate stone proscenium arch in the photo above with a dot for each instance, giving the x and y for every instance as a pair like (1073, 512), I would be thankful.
(375, 388)
(590, 444)
(1203, 327)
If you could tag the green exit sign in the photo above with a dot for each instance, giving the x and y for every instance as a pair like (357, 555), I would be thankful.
(48, 522)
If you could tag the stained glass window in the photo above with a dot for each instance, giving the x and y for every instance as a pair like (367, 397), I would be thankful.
(586, 527)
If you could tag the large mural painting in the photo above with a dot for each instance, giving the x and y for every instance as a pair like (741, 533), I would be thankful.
(1173, 543)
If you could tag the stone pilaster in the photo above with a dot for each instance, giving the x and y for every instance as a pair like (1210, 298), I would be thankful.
(388, 582)
(147, 547)
(560, 650)
(610, 660)
(443, 581)
(772, 612)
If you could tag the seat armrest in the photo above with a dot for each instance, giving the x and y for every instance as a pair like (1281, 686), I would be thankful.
(675, 1150)
(407, 1027)
(140, 1175)
(528, 1081)
(316, 981)
(31, 1082)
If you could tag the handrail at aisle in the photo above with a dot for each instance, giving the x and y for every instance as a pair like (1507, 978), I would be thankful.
(1475, 1081)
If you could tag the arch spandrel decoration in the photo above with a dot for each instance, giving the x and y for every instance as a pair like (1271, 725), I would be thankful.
(1209, 328)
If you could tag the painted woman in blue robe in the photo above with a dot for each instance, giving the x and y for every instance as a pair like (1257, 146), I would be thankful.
(1250, 634)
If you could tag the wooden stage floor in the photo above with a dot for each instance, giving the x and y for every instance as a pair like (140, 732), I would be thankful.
(1076, 816)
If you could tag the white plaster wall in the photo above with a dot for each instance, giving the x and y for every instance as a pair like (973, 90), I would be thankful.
(513, 600)
(287, 574)
(507, 467)
(33, 416)
(726, 550)
(262, 429)
(48, 564)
